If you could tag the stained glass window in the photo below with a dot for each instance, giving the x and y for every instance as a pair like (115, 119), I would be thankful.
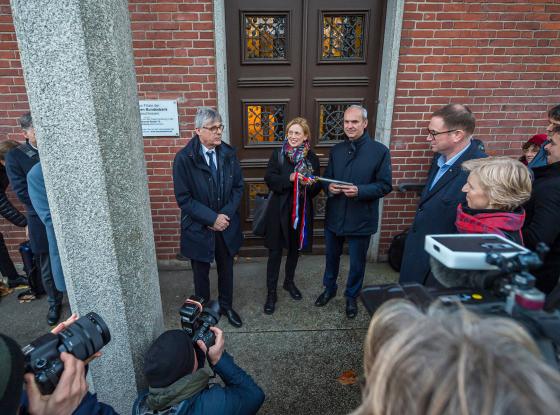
(342, 37)
(265, 123)
(331, 120)
(265, 37)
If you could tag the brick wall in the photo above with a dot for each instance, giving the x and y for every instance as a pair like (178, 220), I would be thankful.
(174, 56)
(500, 58)
(173, 44)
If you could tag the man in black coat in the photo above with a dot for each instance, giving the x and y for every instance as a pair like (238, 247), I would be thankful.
(541, 220)
(18, 163)
(353, 210)
(8, 211)
(208, 187)
(449, 135)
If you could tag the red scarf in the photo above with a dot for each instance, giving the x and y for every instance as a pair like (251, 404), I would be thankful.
(493, 222)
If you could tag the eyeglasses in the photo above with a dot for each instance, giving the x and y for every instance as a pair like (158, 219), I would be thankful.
(215, 129)
(434, 133)
(556, 128)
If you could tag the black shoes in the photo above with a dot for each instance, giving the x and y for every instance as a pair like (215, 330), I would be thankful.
(54, 314)
(270, 304)
(232, 317)
(351, 307)
(293, 290)
(324, 298)
(19, 281)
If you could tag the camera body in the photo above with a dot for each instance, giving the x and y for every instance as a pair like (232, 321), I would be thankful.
(487, 274)
(197, 316)
(82, 339)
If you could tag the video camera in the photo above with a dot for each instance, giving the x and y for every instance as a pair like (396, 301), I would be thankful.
(489, 275)
(197, 317)
(82, 339)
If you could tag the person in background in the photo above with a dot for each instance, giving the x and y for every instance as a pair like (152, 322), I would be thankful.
(542, 223)
(449, 135)
(352, 214)
(19, 162)
(496, 189)
(295, 157)
(9, 212)
(451, 361)
(208, 185)
(531, 148)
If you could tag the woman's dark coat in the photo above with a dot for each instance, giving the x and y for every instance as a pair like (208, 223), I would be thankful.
(542, 223)
(279, 212)
(201, 200)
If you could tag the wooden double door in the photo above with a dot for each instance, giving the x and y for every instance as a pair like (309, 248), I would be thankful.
(289, 58)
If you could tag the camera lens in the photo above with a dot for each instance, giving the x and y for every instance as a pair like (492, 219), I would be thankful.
(85, 337)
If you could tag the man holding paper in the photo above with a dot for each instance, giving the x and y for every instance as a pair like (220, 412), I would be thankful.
(364, 167)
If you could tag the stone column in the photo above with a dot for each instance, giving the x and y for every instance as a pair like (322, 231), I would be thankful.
(79, 73)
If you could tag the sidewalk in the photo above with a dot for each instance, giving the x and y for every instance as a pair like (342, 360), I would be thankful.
(295, 355)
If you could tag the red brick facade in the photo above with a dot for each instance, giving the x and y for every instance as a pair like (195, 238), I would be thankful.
(501, 58)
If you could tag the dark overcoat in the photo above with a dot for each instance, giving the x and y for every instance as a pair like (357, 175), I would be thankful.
(542, 223)
(201, 199)
(366, 164)
(8, 210)
(436, 213)
(18, 163)
(279, 211)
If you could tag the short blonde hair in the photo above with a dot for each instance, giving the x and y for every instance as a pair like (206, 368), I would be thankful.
(302, 122)
(507, 182)
(452, 362)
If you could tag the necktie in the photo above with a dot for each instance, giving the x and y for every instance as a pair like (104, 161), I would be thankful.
(213, 168)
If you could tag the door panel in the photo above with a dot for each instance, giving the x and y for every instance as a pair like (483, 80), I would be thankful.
(294, 58)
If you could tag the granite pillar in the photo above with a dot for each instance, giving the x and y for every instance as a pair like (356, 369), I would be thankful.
(79, 73)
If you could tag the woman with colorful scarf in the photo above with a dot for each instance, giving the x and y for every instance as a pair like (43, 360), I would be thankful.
(289, 216)
(496, 188)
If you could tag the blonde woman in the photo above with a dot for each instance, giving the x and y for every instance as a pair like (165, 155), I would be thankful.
(496, 188)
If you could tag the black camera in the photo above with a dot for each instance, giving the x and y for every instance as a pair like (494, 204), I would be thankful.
(197, 317)
(82, 339)
(501, 286)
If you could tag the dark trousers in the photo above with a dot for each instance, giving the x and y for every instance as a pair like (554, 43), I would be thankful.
(357, 247)
(6, 265)
(273, 266)
(54, 296)
(224, 265)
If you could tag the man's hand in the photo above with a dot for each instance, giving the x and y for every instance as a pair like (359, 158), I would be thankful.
(350, 191)
(215, 352)
(221, 223)
(335, 189)
(68, 394)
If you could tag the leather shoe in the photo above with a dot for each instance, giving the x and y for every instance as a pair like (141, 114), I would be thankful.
(233, 317)
(54, 314)
(324, 298)
(293, 290)
(19, 281)
(351, 307)
(269, 306)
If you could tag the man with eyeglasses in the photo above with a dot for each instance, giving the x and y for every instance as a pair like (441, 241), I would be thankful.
(449, 135)
(208, 187)
(541, 220)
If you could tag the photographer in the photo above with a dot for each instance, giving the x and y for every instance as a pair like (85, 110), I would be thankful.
(451, 361)
(70, 396)
(179, 382)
